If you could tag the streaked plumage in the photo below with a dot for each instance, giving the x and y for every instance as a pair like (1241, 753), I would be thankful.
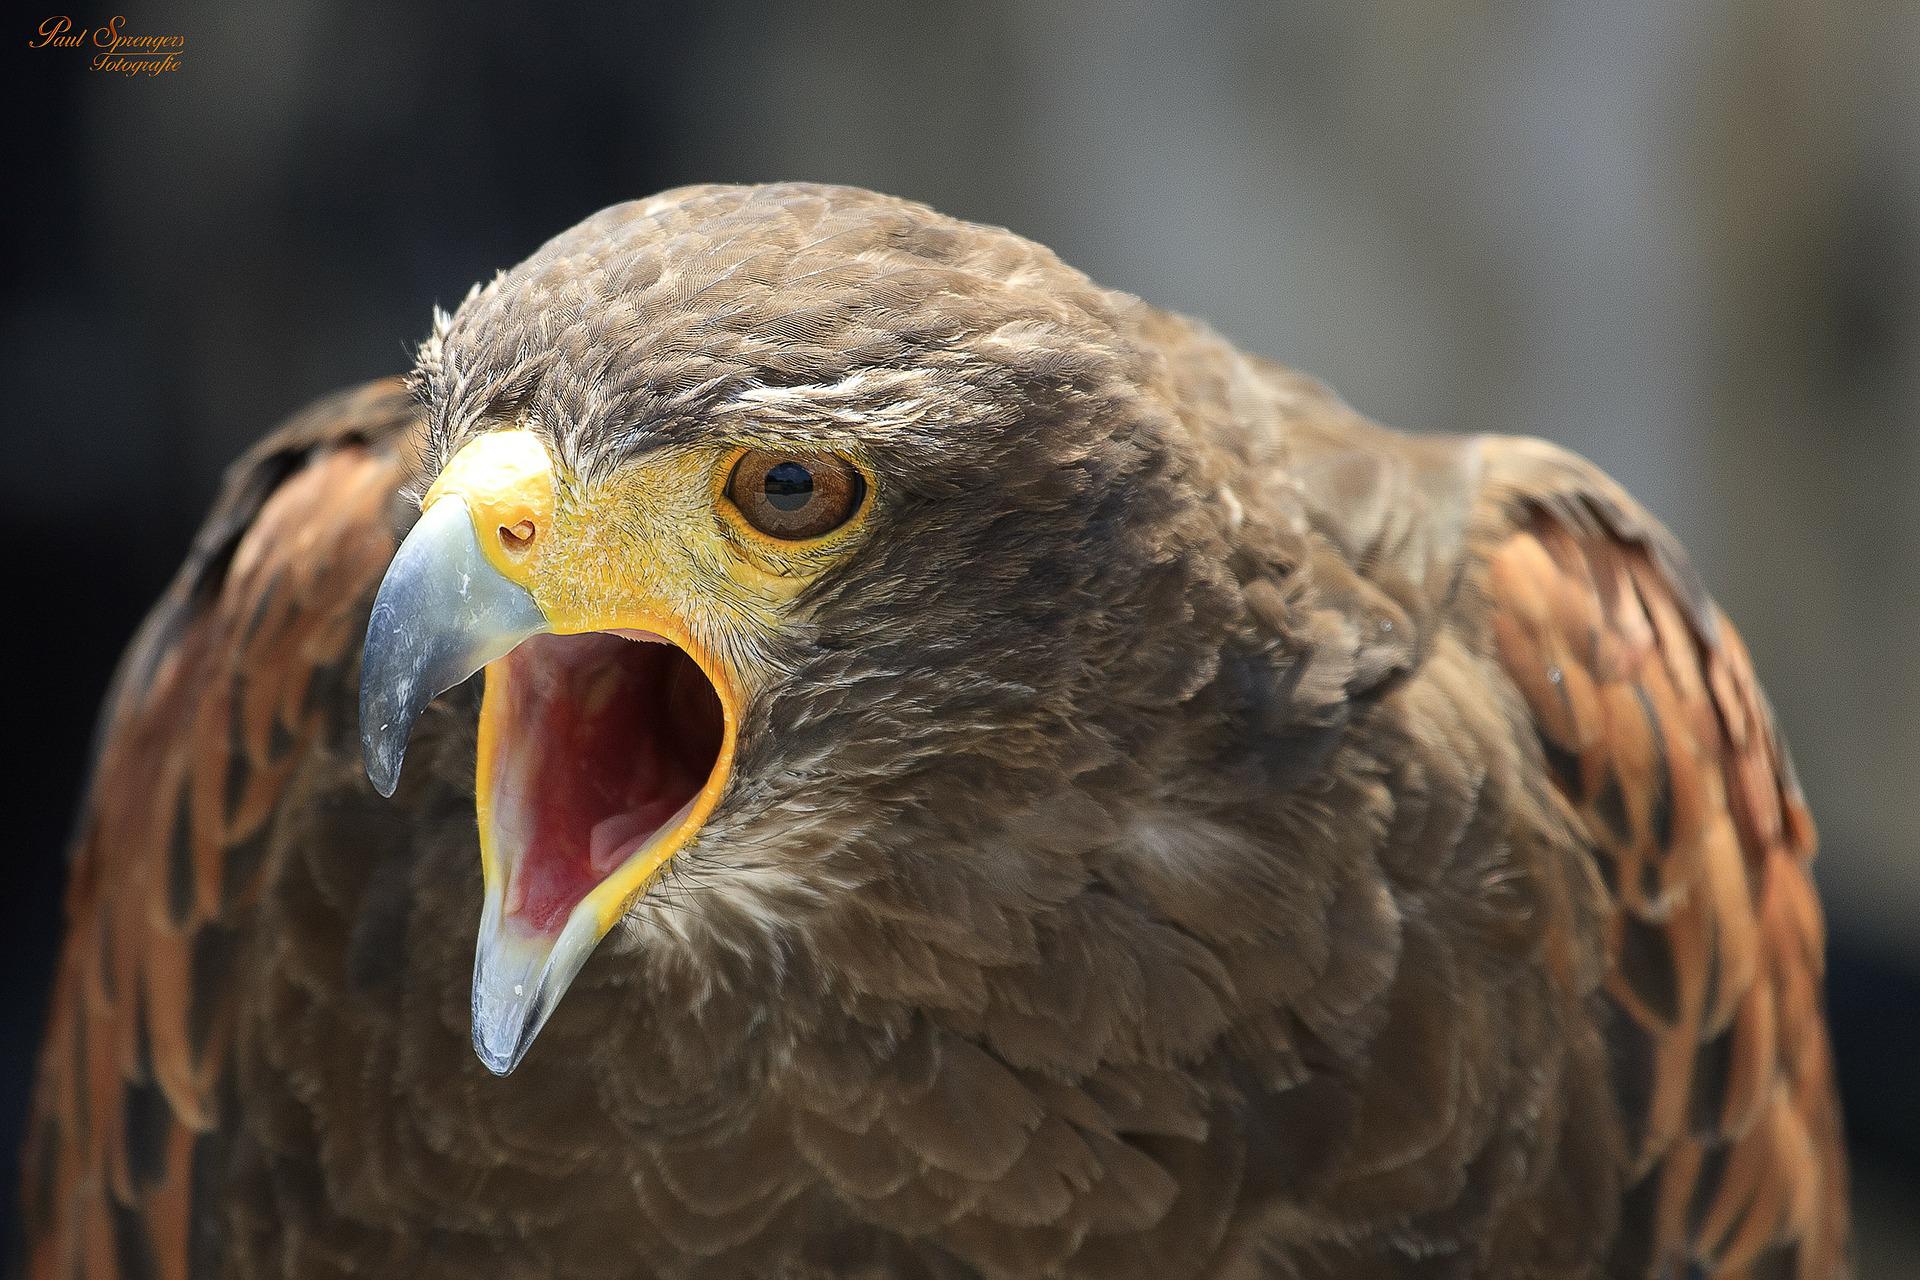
(1191, 832)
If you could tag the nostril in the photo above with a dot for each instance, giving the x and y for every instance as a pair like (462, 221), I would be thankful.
(517, 537)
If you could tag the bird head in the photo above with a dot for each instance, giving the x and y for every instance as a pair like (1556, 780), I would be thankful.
(818, 551)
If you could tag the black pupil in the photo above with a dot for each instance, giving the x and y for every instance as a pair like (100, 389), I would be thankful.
(789, 486)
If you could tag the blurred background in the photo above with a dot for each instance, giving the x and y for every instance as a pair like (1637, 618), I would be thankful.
(1680, 236)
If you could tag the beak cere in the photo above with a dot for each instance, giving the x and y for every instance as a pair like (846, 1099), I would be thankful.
(601, 751)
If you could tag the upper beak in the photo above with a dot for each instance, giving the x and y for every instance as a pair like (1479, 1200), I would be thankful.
(451, 603)
(443, 612)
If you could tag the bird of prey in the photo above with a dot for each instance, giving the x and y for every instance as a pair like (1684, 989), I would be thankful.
(973, 776)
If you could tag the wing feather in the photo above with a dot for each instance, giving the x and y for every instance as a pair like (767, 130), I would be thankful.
(211, 712)
(1663, 749)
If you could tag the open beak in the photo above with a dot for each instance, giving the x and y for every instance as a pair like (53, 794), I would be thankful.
(606, 734)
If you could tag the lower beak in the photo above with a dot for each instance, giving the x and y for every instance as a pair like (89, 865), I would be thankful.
(599, 757)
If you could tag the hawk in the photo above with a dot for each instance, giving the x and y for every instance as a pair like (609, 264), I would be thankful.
(973, 776)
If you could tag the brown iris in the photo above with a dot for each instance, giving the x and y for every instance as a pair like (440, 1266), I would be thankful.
(795, 496)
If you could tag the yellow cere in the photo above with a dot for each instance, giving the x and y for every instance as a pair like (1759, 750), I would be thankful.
(506, 480)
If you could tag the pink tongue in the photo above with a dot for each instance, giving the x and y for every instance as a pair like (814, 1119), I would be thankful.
(616, 837)
(593, 745)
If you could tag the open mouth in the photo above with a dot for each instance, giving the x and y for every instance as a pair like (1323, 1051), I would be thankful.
(597, 748)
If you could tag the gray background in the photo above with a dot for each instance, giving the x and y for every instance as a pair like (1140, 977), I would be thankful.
(1681, 237)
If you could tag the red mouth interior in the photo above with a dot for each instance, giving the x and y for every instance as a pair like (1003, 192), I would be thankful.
(604, 741)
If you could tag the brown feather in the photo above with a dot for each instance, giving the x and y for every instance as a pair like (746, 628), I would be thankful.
(1715, 936)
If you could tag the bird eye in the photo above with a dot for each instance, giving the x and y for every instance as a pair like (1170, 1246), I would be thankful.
(795, 496)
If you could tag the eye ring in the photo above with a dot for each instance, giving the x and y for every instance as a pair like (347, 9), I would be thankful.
(794, 497)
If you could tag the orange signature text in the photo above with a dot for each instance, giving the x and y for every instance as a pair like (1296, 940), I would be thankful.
(115, 47)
